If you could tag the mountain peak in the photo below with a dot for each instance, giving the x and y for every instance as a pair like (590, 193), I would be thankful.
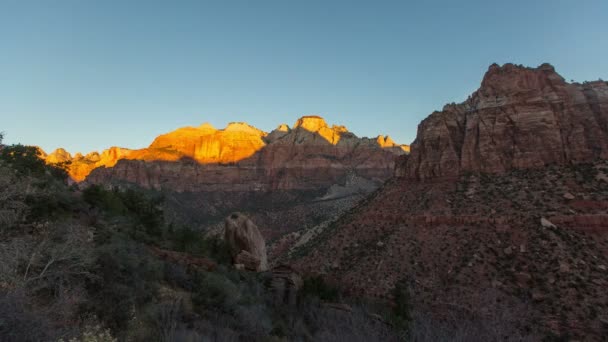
(311, 123)
(207, 127)
(283, 128)
(510, 78)
(519, 118)
(243, 127)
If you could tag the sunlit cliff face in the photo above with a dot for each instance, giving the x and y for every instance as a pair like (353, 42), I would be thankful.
(205, 144)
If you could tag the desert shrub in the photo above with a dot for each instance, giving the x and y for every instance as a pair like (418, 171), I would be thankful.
(109, 201)
(156, 322)
(317, 287)
(18, 322)
(60, 259)
(215, 291)
(400, 316)
(29, 186)
(49, 205)
(145, 208)
(325, 324)
(12, 198)
(27, 160)
(57, 259)
(187, 240)
(93, 333)
(43, 276)
(143, 211)
(402, 300)
(127, 276)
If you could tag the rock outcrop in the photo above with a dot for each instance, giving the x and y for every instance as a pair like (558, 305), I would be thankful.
(285, 284)
(312, 155)
(519, 118)
(80, 166)
(247, 245)
(479, 220)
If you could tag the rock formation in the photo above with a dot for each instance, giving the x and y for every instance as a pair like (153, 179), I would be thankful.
(478, 222)
(285, 284)
(80, 166)
(240, 157)
(247, 246)
(519, 118)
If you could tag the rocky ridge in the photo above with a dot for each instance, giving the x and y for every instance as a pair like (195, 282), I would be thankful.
(519, 118)
(240, 157)
(498, 216)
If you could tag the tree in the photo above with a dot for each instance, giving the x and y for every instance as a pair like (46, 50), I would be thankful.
(24, 159)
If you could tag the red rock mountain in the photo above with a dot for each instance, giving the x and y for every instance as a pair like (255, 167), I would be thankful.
(519, 118)
(284, 180)
(498, 216)
(240, 157)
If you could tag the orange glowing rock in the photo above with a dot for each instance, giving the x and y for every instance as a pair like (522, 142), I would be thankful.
(238, 142)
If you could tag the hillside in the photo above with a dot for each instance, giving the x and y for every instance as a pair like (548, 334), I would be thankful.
(498, 216)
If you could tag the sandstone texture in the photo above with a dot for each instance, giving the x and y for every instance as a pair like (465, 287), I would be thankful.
(477, 222)
(247, 245)
(519, 118)
(240, 157)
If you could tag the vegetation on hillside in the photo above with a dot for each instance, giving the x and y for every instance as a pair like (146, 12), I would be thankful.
(101, 264)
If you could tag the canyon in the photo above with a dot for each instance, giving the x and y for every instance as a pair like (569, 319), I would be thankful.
(239, 157)
(289, 178)
(498, 215)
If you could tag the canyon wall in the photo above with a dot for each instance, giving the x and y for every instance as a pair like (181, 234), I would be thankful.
(240, 157)
(519, 118)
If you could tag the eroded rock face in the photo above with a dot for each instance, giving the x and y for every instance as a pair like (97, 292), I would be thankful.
(502, 238)
(247, 246)
(519, 118)
(312, 155)
(80, 166)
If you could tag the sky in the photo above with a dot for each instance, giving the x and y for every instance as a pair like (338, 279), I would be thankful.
(86, 75)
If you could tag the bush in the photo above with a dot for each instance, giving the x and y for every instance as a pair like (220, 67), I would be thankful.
(215, 292)
(144, 212)
(127, 276)
(12, 198)
(401, 315)
(27, 160)
(190, 241)
(93, 333)
(109, 201)
(317, 287)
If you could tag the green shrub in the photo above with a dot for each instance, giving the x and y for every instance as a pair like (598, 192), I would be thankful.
(127, 276)
(27, 160)
(317, 287)
(214, 291)
(145, 217)
(109, 201)
(401, 315)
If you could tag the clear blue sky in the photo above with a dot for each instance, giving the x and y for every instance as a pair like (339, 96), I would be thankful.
(85, 75)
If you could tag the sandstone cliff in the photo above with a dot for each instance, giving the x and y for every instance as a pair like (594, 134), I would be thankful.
(240, 157)
(499, 214)
(519, 118)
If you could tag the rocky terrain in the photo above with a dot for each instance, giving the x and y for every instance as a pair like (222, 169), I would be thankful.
(240, 157)
(287, 179)
(498, 216)
(519, 118)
